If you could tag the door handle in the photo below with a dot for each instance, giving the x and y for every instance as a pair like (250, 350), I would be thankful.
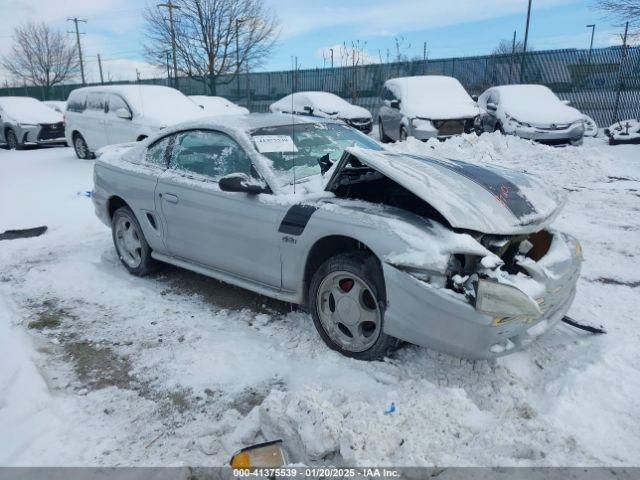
(170, 197)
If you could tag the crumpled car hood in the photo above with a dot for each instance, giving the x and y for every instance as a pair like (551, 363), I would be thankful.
(474, 197)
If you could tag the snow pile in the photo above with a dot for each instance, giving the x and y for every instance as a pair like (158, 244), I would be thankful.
(559, 167)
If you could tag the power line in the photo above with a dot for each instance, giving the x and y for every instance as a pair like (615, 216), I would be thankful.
(76, 20)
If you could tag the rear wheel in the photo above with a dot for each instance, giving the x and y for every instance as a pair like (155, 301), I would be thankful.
(346, 303)
(383, 137)
(81, 148)
(499, 128)
(132, 248)
(12, 140)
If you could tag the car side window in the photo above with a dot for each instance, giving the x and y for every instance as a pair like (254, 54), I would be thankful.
(116, 102)
(95, 101)
(388, 94)
(209, 153)
(76, 103)
(157, 152)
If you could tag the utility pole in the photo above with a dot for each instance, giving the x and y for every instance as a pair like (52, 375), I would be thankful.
(76, 20)
(624, 55)
(526, 39)
(513, 54)
(167, 53)
(100, 68)
(171, 6)
(593, 31)
(331, 57)
(238, 22)
(424, 58)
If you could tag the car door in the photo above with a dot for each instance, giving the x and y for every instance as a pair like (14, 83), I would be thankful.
(233, 232)
(92, 121)
(119, 130)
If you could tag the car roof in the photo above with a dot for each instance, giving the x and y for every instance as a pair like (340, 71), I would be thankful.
(122, 89)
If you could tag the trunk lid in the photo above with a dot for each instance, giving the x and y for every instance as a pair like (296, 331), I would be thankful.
(469, 196)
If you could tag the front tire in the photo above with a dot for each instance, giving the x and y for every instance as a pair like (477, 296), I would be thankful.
(81, 147)
(12, 140)
(131, 246)
(383, 136)
(347, 305)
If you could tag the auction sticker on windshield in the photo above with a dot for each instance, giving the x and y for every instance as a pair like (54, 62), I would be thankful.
(274, 143)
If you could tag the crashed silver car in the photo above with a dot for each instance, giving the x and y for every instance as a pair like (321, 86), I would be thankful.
(380, 246)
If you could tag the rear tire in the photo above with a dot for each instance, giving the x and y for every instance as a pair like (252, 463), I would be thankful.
(383, 136)
(12, 140)
(131, 246)
(347, 306)
(81, 147)
(499, 128)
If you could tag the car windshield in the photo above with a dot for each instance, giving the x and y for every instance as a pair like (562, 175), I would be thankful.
(296, 149)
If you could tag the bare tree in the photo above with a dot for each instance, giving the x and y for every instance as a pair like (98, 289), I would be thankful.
(505, 47)
(41, 56)
(207, 33)
(622, 11)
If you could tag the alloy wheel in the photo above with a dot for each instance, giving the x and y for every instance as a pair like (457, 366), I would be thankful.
(348, 311)
(128, 242)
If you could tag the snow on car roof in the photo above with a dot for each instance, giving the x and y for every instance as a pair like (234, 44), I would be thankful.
(433, 96)
(324, 100)
(517, 92)
(28, 110)
(174, 106)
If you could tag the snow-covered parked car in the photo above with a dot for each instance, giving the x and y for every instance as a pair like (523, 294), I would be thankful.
(106, 115)
(59, 106)
(533, 112)
(624, 131)
(383, 246)
(425, 107)
(27, 121)
(218, 105)
(325, 105)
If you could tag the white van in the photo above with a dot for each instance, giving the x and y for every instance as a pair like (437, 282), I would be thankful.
(105, 115)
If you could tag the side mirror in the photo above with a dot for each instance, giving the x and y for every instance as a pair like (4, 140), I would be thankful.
(241, 182)
(395, 104)
(262, 455)
(474, 98)
(491, 107)
(308, 109)
(566, 102)
(123, 113)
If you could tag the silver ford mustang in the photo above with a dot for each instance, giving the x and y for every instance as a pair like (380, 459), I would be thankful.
(381, 247)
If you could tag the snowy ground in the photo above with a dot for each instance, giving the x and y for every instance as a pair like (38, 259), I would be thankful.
(101, 368)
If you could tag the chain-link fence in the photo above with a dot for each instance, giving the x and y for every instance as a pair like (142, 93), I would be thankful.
(603, 83)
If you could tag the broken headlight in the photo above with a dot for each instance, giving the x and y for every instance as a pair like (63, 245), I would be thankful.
(517, 122)
(422, 124)
(498, 299)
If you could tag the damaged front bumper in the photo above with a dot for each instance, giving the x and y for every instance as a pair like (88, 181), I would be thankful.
(440, 318)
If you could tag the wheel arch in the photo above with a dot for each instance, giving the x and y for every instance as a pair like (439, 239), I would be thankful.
(329, 246)
(114, 203)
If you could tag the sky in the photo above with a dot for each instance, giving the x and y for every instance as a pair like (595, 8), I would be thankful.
(309, 28)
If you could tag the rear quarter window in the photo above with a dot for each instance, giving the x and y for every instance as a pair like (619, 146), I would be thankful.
(76, 103)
